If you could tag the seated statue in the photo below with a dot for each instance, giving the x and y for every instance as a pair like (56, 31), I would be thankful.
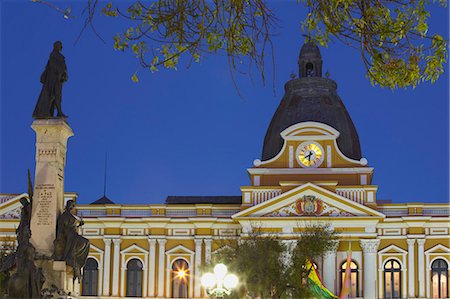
(69, 245)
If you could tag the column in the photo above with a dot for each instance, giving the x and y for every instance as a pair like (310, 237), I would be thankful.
(329, 268)
(116, 267)
(208, 243)
(421, 266)
(161, 262)
(370, 249)
(48, 197)
(151, 267)
(411, 258)
(198, 262)
(106, 267)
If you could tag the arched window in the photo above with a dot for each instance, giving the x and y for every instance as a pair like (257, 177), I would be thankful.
(180, 279)
(134, 278)
(353, 278)
(439, 278)
(90, 278)
(392, 279)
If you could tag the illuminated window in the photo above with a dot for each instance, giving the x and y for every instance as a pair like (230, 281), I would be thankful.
(180, 279)
(134, 278)
(439, 279)
(392, 279)
(353, 278)
(90, 278)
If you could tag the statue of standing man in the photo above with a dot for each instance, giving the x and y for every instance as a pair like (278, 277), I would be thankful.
(52, 79)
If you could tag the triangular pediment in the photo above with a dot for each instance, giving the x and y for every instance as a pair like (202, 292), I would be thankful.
(308, 200)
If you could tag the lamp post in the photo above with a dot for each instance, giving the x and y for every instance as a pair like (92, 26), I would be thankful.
(219, 283)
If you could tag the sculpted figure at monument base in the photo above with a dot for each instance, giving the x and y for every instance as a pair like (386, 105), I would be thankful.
(69, 245)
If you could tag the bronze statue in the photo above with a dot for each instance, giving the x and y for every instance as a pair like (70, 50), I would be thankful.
(69, 245)
(28, 280)
(52, 79)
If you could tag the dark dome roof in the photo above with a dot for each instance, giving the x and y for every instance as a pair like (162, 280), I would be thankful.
(311, 98)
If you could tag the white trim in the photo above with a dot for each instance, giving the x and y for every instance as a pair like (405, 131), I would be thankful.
(349, 170)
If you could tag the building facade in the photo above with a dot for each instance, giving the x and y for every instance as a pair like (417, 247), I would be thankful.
(311, 171)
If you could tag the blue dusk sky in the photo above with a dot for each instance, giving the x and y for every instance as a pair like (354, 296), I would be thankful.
(187, 132)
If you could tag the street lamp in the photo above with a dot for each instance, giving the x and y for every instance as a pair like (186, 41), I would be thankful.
(219, 284)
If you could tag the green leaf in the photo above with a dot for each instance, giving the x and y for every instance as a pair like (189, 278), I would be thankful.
(135, 78)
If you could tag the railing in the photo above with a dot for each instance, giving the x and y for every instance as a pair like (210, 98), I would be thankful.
(394, 212)
(91, 213)
(136, 213)
(181, 213)
(436, 212)
(355, 194)
(263, 195)
(223, 213)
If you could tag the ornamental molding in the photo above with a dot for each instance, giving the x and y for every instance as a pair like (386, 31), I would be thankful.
(308, 205)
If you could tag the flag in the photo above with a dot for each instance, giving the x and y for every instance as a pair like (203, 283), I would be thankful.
(347, 283)
(316, 285)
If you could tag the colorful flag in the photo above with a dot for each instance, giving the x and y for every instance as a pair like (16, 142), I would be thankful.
(347, 282)
(316, 285)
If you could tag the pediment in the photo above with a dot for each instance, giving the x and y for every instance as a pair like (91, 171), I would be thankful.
(308, 200)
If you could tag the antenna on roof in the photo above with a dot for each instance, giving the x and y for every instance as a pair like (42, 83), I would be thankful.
(104, 181)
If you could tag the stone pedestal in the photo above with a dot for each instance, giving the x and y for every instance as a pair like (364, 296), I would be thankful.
(58, 274)
(48, 198)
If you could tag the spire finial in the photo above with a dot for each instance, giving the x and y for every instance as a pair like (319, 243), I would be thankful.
(104, 178)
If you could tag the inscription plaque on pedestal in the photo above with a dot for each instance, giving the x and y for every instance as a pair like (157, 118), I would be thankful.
(48, 198)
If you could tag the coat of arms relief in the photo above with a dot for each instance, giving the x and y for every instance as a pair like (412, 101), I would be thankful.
(308, 205)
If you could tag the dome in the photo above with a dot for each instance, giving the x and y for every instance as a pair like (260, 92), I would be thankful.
(311, 98)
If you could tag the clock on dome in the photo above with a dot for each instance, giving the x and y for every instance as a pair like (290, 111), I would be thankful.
(309, 154)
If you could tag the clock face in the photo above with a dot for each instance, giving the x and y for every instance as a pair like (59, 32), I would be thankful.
(310, 154)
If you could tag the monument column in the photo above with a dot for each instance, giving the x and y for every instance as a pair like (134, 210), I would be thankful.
(329, 268)
(421, 267)
(161, 262)
(48, 199)
(106, 266)
(370, 249)
(411, 260)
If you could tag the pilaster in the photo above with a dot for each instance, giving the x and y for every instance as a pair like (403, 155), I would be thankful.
(208, 243)
(370, 249)
(329, 268)
(421, 267)
(116, 267)
(162, 251)
(106, 267)
(411, 260)
(151, 267)
(198, 262)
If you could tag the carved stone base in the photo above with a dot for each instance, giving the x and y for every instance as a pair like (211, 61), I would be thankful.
(58, 274)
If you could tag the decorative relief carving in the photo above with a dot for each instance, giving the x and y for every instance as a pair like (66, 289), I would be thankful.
(13, 214)
(309, 205)
(370, 246)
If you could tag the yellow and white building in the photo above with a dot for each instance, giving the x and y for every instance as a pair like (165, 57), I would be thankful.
(398, 250)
